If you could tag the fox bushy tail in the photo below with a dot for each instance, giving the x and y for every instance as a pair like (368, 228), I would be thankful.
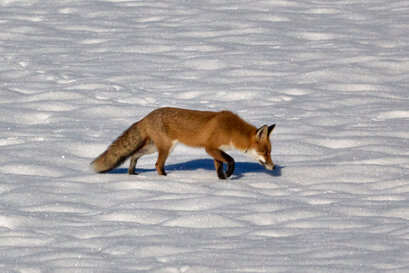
(119, 150)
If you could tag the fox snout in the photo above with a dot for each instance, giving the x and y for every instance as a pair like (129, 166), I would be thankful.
(268, 166)
(264, 161)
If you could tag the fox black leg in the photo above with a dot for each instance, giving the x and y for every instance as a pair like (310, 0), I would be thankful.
(230, 166)
(230, 163)
(219, 169)
(221, 157)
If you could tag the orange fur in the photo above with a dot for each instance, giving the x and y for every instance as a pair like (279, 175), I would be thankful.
(163, 127)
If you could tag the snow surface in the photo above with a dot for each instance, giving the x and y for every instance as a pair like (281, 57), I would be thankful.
(333, 76)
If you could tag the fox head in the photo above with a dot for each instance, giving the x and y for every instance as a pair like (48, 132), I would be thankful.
(260, 147)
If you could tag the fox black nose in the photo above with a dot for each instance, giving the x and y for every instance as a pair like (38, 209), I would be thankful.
(274, 167)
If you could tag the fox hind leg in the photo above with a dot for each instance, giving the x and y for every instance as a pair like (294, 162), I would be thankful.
(132, 164)
(164, 148)
(147, 148)
(162, 156)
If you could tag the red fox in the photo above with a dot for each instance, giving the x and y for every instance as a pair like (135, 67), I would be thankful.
(160, 130)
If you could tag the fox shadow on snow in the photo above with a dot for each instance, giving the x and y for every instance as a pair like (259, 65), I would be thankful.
(241, 168)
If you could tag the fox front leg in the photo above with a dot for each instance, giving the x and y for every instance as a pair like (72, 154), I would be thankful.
(230, 167)
(219, 169)
(221, 157)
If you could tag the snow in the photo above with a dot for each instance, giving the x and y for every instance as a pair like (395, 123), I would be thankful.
(333, 76)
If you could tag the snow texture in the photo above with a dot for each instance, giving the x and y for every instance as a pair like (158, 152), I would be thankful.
(333, 76)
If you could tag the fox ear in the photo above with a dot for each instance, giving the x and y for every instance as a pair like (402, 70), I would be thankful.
(262, 132)
(270, 129)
